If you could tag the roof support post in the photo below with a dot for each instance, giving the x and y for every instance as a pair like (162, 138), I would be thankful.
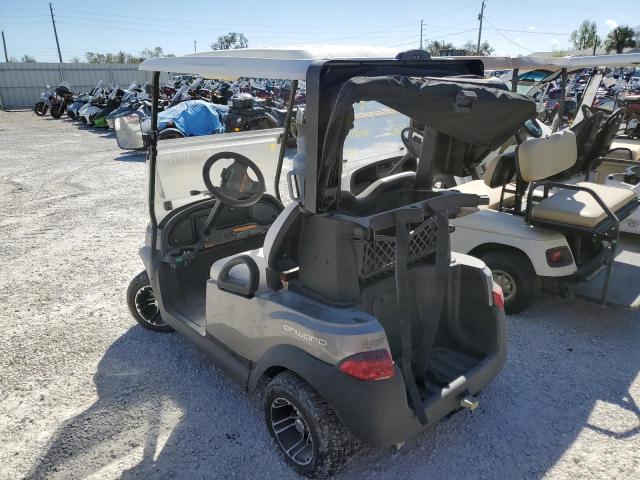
(283, 139)
(152, 154)
(563, 94)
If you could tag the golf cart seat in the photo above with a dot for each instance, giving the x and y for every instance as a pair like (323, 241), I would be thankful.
(626, 149)
(500, 171)
(366, 200)
(584, 206)
(277, 254)
(580, 208)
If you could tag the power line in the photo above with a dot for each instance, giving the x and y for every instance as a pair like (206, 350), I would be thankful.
(575, 7)
(508, 39)
(434, 38)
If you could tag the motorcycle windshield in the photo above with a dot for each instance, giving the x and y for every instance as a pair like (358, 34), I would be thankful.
(128, 132)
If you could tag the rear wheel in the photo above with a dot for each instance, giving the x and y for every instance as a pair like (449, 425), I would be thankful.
(143, 304)
(168, 133)
(306, 429)
(57, 110)
(517, 278)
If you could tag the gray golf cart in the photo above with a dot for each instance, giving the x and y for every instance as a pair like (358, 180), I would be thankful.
(349, 309)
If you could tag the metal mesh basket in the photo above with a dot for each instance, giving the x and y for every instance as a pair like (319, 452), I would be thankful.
(378, 256)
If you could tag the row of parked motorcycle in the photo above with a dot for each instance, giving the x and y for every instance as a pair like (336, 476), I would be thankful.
(189, 106)
(616, 90)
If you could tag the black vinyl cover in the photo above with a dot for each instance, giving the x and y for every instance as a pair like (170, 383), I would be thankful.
(494, 115)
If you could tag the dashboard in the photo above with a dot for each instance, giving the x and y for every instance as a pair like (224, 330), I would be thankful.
(183, 232)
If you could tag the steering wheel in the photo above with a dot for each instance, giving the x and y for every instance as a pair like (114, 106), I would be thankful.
(236, 188)
(533, 128)
(412, 139)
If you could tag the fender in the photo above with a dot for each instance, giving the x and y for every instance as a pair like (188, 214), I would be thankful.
(375, 412)
(489, 226)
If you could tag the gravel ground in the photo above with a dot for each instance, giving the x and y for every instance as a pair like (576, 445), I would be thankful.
(85, 393)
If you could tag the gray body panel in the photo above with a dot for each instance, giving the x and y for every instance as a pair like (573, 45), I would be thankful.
(250, 327)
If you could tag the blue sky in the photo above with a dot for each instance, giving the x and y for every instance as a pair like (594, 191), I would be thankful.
(513, 27)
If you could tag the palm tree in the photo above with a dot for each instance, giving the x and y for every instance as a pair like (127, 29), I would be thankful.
(619, 38)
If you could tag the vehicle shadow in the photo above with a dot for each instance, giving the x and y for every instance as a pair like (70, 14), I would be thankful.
(163, 408)
(132, 156)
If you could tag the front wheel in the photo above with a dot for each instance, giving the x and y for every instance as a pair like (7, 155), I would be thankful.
(306, 429)
(143, 304)
(515, 274)
(40, 108)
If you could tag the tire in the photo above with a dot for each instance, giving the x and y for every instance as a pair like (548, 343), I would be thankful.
(40, 109)
(328, 445)
(169, 133)
(511, 268)
(58, 110)
(268, 121)
(141, 302)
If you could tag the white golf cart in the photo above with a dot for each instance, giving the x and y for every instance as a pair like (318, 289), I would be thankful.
(348, 305)
(536, 228)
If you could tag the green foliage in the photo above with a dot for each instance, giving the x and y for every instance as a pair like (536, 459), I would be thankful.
(28, 59)
(122, 57)
(471, 48)
(586, 36)
(620, 38)
(434, 47)
(230, 41)
(154, 53)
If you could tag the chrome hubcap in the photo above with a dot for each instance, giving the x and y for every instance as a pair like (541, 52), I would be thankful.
(506, 282)
(147, 306)
(291, 431)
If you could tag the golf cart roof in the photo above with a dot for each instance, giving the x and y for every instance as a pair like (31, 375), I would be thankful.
(571, 63)
(280, 63)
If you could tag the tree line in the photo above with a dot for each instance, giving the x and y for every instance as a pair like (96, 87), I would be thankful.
(623, 36)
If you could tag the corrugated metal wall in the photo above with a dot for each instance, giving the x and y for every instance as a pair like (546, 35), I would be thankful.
(22, 83)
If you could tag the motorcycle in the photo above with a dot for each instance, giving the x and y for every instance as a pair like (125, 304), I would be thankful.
(42, 106)
(131, 101)
(61, 98)
(81, 100)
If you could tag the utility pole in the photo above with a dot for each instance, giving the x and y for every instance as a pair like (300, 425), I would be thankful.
(421, 29)
(55, 32)
(595, 44)
(194, 47)
(480, 17)
(4, 44)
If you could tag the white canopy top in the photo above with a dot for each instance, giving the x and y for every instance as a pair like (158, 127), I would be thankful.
(292, 63)
(557, 63)
(280, 63)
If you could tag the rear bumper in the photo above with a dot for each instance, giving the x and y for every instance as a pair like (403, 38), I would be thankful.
(378, 413)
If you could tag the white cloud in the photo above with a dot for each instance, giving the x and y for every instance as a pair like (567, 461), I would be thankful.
(531, 28)
(611, 24)
(554, 42)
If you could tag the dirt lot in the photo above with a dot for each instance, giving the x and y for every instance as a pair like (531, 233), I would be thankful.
(85, 393)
